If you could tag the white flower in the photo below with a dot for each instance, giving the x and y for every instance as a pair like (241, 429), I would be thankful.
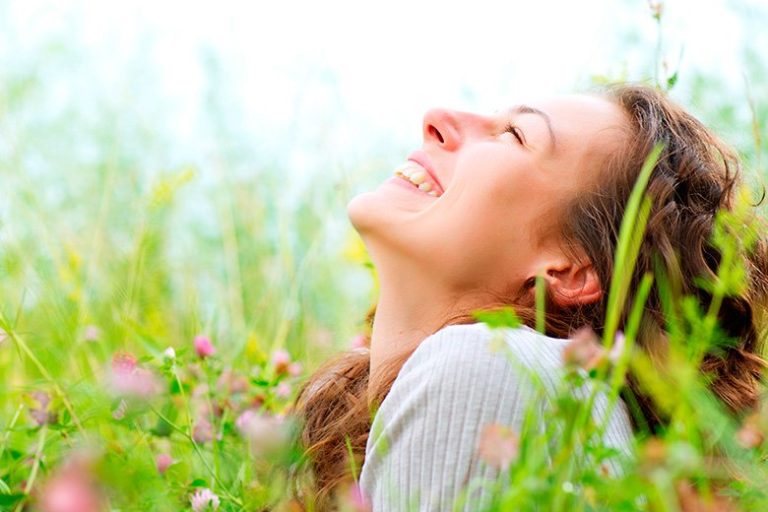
(169, 353)
(204, 499)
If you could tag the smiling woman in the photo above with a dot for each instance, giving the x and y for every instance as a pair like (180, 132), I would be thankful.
(489, 205)
(440, 257)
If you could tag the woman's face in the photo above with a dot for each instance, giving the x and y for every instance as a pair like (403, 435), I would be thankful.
(480, 207)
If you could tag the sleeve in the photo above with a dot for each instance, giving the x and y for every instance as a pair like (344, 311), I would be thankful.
(422, 450)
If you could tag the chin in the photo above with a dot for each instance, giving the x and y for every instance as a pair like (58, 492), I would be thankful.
(367, 212)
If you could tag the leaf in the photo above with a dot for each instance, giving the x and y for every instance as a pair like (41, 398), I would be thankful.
(498, 319)
(628, 245)
(178, 472)
(672, 80)
(198, 482)
(9, 500)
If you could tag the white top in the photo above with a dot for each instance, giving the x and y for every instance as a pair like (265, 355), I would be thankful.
(422, 449)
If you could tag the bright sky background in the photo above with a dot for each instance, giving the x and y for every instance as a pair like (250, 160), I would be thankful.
(287, 90)
(354, 76)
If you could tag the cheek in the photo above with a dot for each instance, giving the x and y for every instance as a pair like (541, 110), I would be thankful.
(490, 230)
(478, 247)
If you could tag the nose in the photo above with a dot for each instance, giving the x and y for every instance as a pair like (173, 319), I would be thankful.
(450, 128)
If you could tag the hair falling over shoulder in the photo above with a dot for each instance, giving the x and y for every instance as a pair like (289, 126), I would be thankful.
(695, 177)
(336, 406)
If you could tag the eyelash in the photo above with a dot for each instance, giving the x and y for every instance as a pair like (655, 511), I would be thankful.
(514, 130)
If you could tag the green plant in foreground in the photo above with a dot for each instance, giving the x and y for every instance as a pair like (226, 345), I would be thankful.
(703, 458)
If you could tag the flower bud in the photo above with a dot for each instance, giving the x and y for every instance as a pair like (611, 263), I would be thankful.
(499, 446)
(203, 347)
(281, 359)
(163, 461)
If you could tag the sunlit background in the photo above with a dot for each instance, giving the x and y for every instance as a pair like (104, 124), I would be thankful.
(253, 123)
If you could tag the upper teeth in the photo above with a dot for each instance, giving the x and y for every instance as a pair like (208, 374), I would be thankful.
(417, 175)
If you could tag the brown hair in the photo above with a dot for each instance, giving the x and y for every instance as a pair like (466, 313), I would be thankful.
(695, 177)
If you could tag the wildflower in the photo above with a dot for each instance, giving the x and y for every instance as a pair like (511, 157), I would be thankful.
(163, 461)
(498, 446)
(43, 417)
(281, 359)
(243, 421)
(123, 363)
(657, 9)
(295, 369)
(359, 341)
(203, 347)
(169, 354)
(41, 414)
(264, 432)
(257, 401)
(42, 398)
(353, 499)
(230, 382)
(128, 379)
(283, 390)
(71, 489)
(750, 435)
(692, 501)
(584, 350)
(203, 431)
(204, 499)
(92, 333)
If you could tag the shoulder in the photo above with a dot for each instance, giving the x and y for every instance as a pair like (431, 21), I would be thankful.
(425, 434)
(424, 437)
(472, 351)
(479, 371)
(461, 378)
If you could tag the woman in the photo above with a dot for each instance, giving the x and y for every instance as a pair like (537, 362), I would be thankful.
(489, 204)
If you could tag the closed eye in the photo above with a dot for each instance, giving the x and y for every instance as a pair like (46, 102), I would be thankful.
(514, 130)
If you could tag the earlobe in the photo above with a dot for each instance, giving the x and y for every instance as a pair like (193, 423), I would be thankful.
(574, 284)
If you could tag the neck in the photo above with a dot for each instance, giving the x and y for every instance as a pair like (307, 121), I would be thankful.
(400, 324)
(409, 309)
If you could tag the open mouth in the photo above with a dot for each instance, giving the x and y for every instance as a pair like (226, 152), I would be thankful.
(418, 176)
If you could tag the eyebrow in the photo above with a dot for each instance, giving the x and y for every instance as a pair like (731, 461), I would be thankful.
(525, 109)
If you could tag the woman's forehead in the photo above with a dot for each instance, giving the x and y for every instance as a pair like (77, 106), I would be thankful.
(586, 110)
(583, 121)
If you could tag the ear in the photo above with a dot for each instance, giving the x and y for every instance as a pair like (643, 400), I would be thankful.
(572, 283)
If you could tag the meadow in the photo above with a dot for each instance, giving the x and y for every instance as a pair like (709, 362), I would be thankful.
(157, 322)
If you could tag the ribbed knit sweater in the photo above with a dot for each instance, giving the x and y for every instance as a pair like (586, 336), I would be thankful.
(422, 449)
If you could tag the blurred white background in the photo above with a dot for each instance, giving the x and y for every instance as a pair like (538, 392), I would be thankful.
(349, 77)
